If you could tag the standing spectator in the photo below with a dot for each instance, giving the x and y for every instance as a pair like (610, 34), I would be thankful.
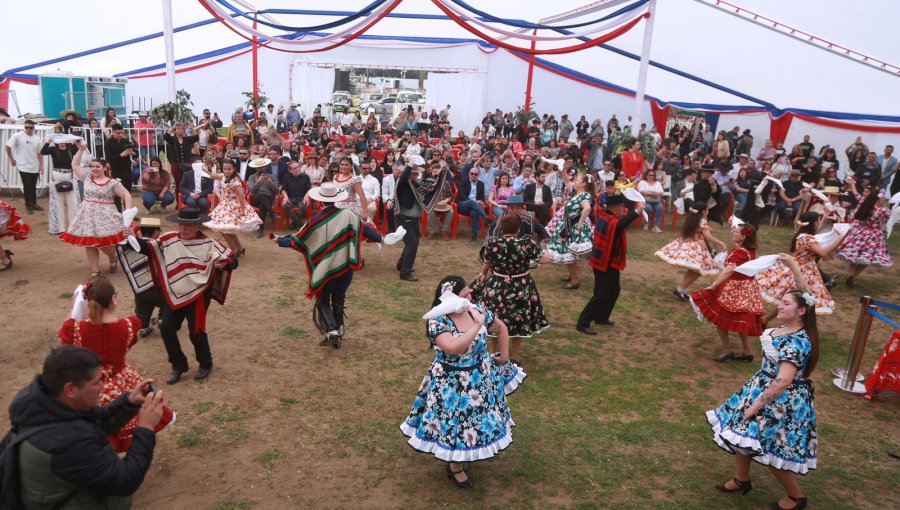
(119, 154)
(370, 186)
(721, 149)
(179, 150)
(789, 195)
(145, 132)
(23, 150)
(388, 194)
(596, 152)
(565, 128)
(888, 164)
(109, 119)
(293, 116)
(63, 204)
(868, 173)
(807, 148)
(744, 143)
(216, 121)
(69, 462)
(633, 162)
(725, 181)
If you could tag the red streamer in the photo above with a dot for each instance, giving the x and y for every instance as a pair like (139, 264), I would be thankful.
(556, 51)
(846, 125)
(779, 127)
(353, 36)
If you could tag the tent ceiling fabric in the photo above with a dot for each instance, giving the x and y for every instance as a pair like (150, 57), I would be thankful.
(688, 35)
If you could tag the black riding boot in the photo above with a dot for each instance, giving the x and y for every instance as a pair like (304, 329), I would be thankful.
(337, 308)
(324, 320)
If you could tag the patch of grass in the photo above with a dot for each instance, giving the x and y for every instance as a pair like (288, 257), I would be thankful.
(268, 458)
(190, 438)
(288, 401)
(242, 504)
(202, 406)
(19, 283)
(292, 332)
(285, 300)
(65, 295)
(229, 414)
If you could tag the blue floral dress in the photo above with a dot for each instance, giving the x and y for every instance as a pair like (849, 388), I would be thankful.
(460, 413)
(783, 433)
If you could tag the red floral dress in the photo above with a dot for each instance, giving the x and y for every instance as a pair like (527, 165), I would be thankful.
(98, 223)
(691, 254)
(112, 342)
(735, 305)
(11, 224)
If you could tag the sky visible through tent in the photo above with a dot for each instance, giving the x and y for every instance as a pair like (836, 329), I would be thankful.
(688, 35)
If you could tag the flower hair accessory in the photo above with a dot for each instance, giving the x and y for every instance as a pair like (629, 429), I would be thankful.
(746, 230)
(85, 288)
(447, 287)
(808, 298)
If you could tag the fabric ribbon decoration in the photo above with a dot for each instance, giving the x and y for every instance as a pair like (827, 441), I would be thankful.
(64, 138)
(80, 305)
(325, 26)
(533, 26)
(128, 216)
(826, 239)
(757, 265)
(635, 196)
(528, 51)
(394, 237)
(450, 303)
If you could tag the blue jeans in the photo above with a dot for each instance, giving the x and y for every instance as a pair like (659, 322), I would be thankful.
(655, 208)
(498, 212)
(473, 209)
(150, 198)
(201, 203)
(740, 200)
(782, 208)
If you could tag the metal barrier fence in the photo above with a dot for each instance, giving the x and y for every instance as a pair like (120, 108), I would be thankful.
(848, 378)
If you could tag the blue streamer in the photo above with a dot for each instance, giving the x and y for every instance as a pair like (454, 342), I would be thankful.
(881, 316)
(524, 24)
(883, 304)
(350, 17)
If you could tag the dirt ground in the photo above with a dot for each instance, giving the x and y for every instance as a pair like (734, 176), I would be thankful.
(283, 423)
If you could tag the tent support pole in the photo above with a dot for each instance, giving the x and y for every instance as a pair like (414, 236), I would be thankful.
(642, 73)
(530, 76)
(169, 41)
(255, 72)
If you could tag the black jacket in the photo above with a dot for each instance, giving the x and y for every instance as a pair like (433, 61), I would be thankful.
(465, 188)
(530, 191)
(186, 186)
(55, 459)
(119, 164)
(62, 159)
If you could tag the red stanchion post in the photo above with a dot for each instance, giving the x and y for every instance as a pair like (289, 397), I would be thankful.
(847, 378)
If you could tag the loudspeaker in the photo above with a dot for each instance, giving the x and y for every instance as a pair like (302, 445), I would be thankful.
(341, 80)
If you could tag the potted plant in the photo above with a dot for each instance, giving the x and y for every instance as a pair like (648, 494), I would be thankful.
(167, 114)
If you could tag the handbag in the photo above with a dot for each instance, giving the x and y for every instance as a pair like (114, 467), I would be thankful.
(63, 186)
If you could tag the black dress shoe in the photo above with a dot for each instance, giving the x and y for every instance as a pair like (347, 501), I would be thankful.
(607, 322)
(175, 376)
(408, 277)
(203, 373)
(37, 207)
(587, 330)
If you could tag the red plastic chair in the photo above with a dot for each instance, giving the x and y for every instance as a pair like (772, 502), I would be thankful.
(379, 156)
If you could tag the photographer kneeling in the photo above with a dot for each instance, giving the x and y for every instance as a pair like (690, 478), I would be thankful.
(65, 459)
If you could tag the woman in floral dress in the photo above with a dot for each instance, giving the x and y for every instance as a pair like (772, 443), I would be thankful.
(110, 338)
(11, 225)
(460, 414)
(778, 280)
(352, 184)
(233, 215)
(98, 226)
(510, 291)
(772, 418)
(864, 244)
(690, 252)
(570, 231)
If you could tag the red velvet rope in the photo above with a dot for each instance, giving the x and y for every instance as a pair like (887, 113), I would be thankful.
(353, 36)
(528, 51)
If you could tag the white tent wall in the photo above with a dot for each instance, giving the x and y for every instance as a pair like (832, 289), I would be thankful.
(757, 123)
(464, 92)
(552, 93)
(311, 86)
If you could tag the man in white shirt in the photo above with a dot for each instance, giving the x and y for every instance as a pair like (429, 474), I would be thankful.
(608, 173)
(23, 150)
(370, 186)
(388, 191)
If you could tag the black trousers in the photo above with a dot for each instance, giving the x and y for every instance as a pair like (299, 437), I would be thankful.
(29, 187)
(298, 216)
(171, 323)
(145, 302)
(601, 304)
(410, 244)
(265, 204)
(126, 177)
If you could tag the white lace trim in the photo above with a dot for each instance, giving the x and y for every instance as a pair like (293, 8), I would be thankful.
(732, 442)
(514, 383)
(768, 348)
(449, 455)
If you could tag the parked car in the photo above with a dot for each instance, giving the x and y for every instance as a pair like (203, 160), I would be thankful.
(410, 97)
(341, 102)
(366, 100)
(386, 103)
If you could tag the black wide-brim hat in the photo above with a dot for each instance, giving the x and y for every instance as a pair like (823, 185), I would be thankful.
(188, 216)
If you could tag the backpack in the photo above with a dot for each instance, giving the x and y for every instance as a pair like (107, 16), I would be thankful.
(9, 461)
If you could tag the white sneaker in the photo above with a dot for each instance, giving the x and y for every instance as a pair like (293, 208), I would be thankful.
(656, 230)
(646, 226)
